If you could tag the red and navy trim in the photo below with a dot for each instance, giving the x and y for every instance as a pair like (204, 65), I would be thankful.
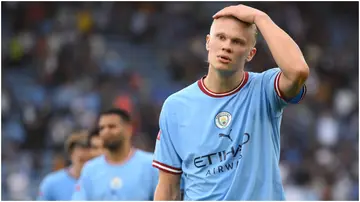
(278, 92)
(218, 95)
(166, 168)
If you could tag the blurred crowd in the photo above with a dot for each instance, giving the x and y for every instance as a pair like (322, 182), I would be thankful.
(63, 63)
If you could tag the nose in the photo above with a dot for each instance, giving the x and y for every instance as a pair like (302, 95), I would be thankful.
(227, 46)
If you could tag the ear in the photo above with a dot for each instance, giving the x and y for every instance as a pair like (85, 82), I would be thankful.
(251, 54)
(130, 128)
(207, 42)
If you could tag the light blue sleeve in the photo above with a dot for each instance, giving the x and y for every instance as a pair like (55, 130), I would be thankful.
(166, 157)
(276, 100)
(45, 190)
(82, 187)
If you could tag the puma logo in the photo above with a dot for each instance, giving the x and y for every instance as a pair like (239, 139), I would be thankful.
(226, 135)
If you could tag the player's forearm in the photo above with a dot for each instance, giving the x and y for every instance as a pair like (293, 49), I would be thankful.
(167, 193)
(285, 51)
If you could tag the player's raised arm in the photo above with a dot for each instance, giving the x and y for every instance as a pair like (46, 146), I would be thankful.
(285, 51)
(168, 187)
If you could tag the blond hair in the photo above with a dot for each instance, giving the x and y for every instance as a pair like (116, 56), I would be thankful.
(253, 26)
(76, 137)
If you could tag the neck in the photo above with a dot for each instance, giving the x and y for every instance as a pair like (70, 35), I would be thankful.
(222, 83)
(119, 156)
(75, 170)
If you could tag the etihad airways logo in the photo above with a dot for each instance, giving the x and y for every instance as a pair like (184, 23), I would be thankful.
(227, 156)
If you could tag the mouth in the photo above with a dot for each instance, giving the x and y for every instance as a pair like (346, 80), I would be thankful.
(224, 59)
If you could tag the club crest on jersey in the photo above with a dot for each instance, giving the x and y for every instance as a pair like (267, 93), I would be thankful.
(223, 119)
(116, 183)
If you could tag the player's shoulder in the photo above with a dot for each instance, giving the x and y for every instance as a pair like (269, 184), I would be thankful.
(144, 155)
(267, 73)
(55, 176)
(183, 95)
(259, 79)
(144, 160)
(95, 162)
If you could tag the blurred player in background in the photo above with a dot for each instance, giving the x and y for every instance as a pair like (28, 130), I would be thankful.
(95, 143)
(123, 172)
(59, 185)
(223, 132)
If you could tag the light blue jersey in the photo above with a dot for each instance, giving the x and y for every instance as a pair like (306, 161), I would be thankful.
(57, 186)
(227, 146)
(135, 179)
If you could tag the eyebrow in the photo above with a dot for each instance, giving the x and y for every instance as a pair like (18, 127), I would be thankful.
(232, 38)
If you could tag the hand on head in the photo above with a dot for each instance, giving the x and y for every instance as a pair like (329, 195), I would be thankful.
(244, 13)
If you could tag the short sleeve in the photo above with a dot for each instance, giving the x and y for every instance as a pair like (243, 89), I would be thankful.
(44, 193)
(165, 156)
(277, 102)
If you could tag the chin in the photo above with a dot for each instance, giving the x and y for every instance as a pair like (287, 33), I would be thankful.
(224, 67)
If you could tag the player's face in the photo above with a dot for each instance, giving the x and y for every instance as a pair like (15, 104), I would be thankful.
(96, 144)
(113, 131)
(230, 44)
(80, 154)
